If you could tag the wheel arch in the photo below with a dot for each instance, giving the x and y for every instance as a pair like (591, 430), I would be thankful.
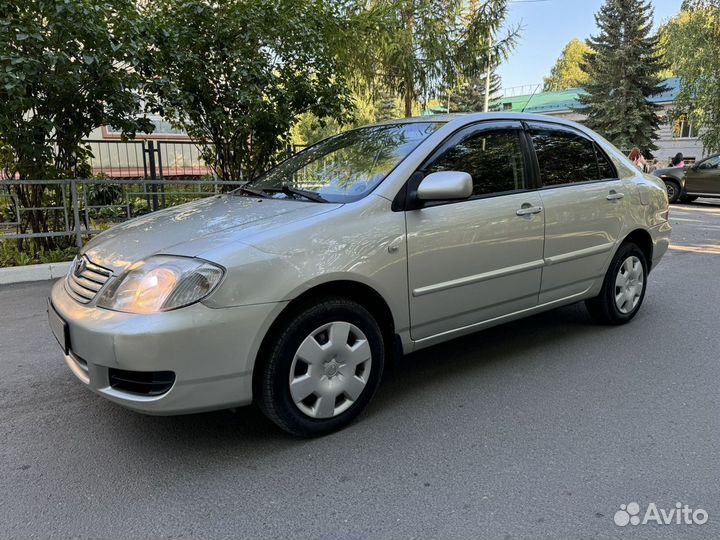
(643, 240)
(358, 292)
(679, 181)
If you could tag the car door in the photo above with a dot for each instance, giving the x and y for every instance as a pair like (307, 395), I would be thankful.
(480, 258)
(704, 178)
(584, 209)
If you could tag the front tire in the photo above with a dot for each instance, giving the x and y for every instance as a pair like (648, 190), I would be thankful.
(321, 368)
(673, 190)
(623, 288)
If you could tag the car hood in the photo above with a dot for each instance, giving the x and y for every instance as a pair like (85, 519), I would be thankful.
(675, 172)
(167, 230)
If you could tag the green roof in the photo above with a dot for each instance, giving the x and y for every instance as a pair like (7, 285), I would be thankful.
(541, 102)
(565, 100)
(561, 101)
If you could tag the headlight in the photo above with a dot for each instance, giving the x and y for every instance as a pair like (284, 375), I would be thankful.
(161, 283)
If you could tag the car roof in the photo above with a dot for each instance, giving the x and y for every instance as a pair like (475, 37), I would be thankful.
(460, 119)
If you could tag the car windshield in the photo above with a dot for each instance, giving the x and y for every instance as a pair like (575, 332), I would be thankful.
(346, 167)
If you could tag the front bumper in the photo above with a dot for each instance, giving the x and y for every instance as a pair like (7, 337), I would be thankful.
(211, 352)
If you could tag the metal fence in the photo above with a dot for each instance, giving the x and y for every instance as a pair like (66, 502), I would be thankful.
(164, 159)
(130, 178)
(171, 159)
(78, 208)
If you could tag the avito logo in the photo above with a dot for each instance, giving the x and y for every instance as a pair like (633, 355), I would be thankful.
(681, 514)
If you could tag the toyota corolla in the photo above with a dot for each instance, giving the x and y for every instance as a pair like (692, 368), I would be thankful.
(293, 291)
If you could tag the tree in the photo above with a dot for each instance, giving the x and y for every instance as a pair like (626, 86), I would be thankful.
(367, 109)
(469, 96)
(692, 45)
(623, 74)
(66, 68)
(238, 73)
(568, 69)
(428, 45)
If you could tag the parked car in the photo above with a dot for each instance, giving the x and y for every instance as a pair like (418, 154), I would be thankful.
(685, 184)
(294, 291)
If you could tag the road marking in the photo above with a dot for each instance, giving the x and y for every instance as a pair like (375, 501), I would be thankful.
(708, 249)
(690, 210)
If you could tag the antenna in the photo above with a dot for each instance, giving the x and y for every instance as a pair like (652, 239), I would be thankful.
(530, 99)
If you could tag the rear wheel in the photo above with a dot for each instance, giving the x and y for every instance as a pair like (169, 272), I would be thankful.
(322, 369)
(623, 288)
(673, 190)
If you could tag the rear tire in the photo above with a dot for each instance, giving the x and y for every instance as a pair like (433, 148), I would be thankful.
(623, 288)
(320, 369)
(673, 190)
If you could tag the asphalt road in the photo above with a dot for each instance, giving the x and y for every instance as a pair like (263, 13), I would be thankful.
(540, 428)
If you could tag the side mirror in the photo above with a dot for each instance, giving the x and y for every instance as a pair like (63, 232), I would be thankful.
(445, 186)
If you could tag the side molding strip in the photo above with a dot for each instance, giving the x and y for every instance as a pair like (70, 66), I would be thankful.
(532, 265)
(579, 254)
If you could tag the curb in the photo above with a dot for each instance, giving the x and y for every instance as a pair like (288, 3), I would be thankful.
(33, 272)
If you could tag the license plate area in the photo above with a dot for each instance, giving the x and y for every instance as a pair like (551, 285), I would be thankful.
(59, 328)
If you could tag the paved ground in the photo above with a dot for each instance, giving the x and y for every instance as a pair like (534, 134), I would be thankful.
(540, 428)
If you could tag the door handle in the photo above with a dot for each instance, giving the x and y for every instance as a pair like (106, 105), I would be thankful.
(614, 196)
(527, 210)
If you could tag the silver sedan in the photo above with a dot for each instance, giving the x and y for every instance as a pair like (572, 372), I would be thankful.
(293, 291)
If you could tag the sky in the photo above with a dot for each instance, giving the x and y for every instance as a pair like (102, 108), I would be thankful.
(547, 26)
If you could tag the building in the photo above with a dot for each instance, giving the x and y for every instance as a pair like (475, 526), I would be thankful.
(673, 137)
(174, 154)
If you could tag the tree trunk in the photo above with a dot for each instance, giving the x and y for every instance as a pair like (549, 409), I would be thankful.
(408, 104)
(409, 83)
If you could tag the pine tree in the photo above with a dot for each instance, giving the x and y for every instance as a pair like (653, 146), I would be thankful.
(470, 95)
(623, 74)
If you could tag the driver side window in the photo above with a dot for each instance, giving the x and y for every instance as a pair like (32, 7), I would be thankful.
(493, 158)
(708, 164)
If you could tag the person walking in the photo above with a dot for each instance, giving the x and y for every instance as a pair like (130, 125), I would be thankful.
(637, 158)
(678, 160)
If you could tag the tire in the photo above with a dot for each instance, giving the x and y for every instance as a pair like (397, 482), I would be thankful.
(673, 190)
(321, 369)
(606, 307)
(688, 198)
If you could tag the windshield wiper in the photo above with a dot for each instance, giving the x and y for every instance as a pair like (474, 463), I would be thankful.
(255, 192)
(287, 190)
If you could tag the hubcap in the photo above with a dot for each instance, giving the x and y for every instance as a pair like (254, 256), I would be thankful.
(670, 190)
(629, 284)
(330, 370)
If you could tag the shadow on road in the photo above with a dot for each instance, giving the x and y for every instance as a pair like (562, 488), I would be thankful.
(506, 346)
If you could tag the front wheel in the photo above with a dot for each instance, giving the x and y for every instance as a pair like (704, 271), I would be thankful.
(673, 190)
(321, 369)
(623, 288)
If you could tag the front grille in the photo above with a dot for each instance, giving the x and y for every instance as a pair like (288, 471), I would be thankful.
(85, 279)
(143, 383)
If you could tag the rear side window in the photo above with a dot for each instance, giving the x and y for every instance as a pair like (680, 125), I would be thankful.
(565, 158)
(606, 168)
(493, 158)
